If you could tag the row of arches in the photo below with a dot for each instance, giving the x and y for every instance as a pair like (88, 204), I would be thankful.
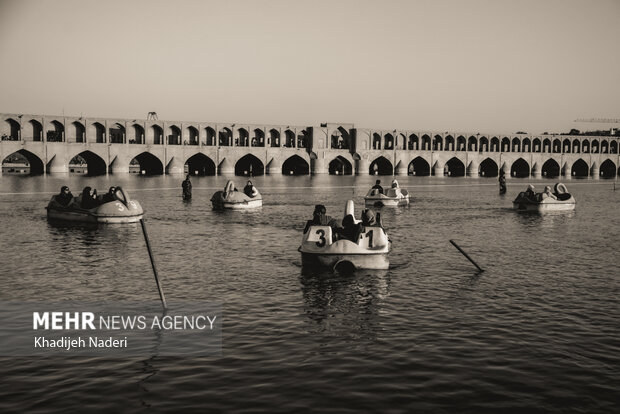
(135, 133)
(478, 143)
(199, 164)
(146, 163)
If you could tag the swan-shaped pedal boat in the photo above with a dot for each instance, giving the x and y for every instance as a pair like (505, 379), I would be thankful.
(319, 248)
(120, 210)
(233, 199)
(559, 200)
(394, 196)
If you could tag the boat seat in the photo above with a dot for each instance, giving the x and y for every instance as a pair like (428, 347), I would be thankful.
(373, 237)
(321, 235)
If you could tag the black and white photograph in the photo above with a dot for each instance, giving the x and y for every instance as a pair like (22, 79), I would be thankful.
(283, 206)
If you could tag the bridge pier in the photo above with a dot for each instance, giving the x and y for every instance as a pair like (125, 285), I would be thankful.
(472, 169)
(274, 167)
(226, 168)
(318, 166)
(536, 171)
(401, 168)
(362, 167)
(595, 172)
(175, 166)
(438, 170)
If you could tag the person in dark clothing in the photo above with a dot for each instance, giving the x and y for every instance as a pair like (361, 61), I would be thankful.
(187, 188)
(378, 186)
(249, 189)
(368, 217)
(320, 218)
(65, 197)
(502, 182)
(89, 198)
(350, 230)
(109, 196)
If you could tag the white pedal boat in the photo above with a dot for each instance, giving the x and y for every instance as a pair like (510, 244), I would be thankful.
(236, 200)
(318, 248)
(122, 210)
(538, 202)
(392, 197)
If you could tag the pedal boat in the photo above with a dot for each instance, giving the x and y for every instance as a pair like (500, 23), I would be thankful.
(565, 201)
(236, 200)
(393, 197)
(370, 252)
(120, 211)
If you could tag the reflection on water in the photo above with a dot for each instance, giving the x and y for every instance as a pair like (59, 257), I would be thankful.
(537, 331)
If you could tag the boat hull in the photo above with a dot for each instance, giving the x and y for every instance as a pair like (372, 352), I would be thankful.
(385, 202)
(237, 205)
(378, 261)
(544, 206)
(114, 212)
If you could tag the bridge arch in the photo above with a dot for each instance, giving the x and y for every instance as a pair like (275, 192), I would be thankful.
(489, 168)
(495, 144)
(157, 134)
(243, 138)
(604, 147)
(550, 169)
(576, 146)
(419, 167)
(389, 141)
(200, 164)
(193, 135)
(340, 139)
(505, 145)
(438, 143)
(258, 140)
(472, 144)
(381, 166)
(516, 145)
(557, 146)
(274, 137)
(136, 134)
(580, 169)
(173, 133)
(526, 145)
(376, 141)
(148, 163)
(295, 165)
(484, 144)
(461, 143)
(35, 164)
(249, 165)
(536, 145)
(76, 132)
(55, 131)
(608, 169)
(95, 165)
(289, 138)
(455, 167)
(520, 168)
(225, 137)
(613, 147)
(413, 142)
(97, 130)
(36, 130)
(585, 146)
(340, 166)
(426, 142)
(449, 143)
(594, 146)
(11, 129)
(210, 135)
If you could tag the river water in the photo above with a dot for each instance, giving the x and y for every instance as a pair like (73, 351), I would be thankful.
(536, 332)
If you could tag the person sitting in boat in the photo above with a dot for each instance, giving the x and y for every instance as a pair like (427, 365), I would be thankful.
(89, 198)
(368, 217)
(109, 196)
(320, 218)
(548, 194)
(350, 230)
(249, 189)
(530, 192)
(65, 197)
(378, 187)
(395, 184)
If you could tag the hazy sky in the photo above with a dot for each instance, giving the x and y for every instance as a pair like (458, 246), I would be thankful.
(473, 65)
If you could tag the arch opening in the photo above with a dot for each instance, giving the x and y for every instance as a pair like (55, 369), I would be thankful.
(520, 168)
(550, 169)
(146, 164)
(381, 166)
(608, 169)
(580, 169)
(340, 166)
(199, 164)
(87, 162)
(250, 166)
(22, 162)
(295, 165)
(419, 167)
(455, 167)
(489, 168)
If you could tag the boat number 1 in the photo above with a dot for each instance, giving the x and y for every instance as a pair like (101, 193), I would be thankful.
(321, 234)
(369, 235)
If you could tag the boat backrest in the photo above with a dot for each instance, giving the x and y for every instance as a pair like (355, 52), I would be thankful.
(373, 192)
(321, 236)
(373, 237)
(391, 192)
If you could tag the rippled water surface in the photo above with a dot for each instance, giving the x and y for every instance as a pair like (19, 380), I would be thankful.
(536, 332)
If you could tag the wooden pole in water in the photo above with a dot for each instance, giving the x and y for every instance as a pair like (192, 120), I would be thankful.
(466, 255)
(148, 247)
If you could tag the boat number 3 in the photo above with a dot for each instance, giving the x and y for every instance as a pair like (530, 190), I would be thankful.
(321, 241)
(120, 207)
(369, 235)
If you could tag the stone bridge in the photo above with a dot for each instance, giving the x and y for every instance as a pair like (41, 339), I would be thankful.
(51, 144)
